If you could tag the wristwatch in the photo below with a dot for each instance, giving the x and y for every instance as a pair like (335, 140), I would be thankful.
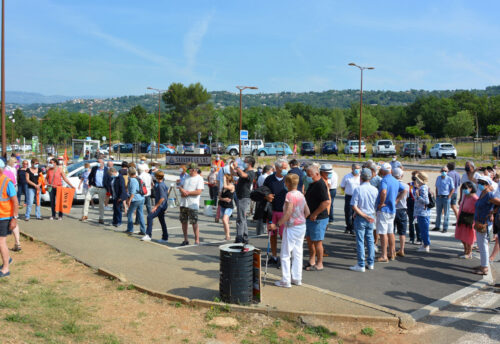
(16, 217)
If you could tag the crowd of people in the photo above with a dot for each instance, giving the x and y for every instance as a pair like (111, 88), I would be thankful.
(291, 201)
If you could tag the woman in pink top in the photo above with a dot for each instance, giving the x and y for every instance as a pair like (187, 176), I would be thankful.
(294, 217)
(465, 223)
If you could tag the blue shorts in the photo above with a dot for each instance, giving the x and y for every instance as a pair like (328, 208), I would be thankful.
(315, 230)
(226, 211)
(453, 200)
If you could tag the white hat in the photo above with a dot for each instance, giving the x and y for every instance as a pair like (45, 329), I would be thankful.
(386, 167)
(325, 168)
(484, 179)
(397, 172)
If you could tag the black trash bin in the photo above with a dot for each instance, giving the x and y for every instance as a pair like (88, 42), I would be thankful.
(236, 273)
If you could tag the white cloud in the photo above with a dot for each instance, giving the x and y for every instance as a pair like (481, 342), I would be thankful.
(193, 40)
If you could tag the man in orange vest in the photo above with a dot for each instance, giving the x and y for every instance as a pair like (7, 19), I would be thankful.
(8, 217)
(218, 163)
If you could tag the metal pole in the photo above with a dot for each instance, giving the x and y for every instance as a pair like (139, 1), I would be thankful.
(159, 113)
(90, 113)
(4, 134)
(239, 134)
(109, 140)
(360, 114)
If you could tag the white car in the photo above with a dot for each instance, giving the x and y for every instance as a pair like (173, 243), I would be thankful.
(443, 150)
(74, 173)
(352, 147)
(247, 147)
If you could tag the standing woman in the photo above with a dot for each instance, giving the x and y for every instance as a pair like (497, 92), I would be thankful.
(226, 203)
(464, 230)
(135, 202)
(22, 184)
(421, 211)
(483, 217)
(32, 176)
(55, 176)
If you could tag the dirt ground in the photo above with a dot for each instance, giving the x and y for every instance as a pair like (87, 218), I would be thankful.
(51, 298)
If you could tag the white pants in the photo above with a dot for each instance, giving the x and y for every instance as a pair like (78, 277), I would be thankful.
(484, 250)
(385, 223)
(101, 192)
(292, 245)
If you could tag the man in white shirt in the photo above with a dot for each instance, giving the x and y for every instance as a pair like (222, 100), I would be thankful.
(190, 203)
(332, 186)
(266, 172)
(350, 182)
(148, 181)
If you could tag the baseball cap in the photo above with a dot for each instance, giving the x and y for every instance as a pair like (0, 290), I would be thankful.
(386, 167)
(397, 172)
(366, 173)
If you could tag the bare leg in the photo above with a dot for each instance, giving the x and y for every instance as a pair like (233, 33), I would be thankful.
(496, 249)
(455, 210)
(16, 236)
(392, 244)
(196, 231)
(312, 251)
(185, 231)
(402, 239)
(318, 247)
(375, 237)
(225, 222)
(4, 252)
(383, 245)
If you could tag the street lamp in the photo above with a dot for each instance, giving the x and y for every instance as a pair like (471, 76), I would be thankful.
(4, 134)
(159, 114)
(241, 88)
(360, 104)
(90, 114)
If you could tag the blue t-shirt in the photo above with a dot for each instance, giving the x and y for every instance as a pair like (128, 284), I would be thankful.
(133, 189)
(444, 185)
(483, 208)
(161, 191)
(11, 192)
(278, 190)
(364, 198)
(393, 187)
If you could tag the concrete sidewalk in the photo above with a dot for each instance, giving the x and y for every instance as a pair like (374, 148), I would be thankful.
(182, 272)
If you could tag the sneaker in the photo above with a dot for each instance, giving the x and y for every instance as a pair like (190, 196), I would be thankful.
(370, 267)
(376, 249)
(184, 243)
(357, 268)
(161, 241)
(423, 249)
(51, 218)
(282, 284)
(146, 238)
(443, 231)
(60, 219)
(296, 282)
(435, 229)
(465, 256)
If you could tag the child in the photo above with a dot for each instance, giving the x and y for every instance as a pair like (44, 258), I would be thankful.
(226, 203)
(294, 219)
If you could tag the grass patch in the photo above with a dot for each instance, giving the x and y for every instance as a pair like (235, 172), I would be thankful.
(33, 280)
(120, 287)
(178, 304)
(319, 331)
(270, 334)
(301, 338)
(130, 287)
(17, 318)
(208, 333)
(368, 331)
(70, 327)
(216, 311)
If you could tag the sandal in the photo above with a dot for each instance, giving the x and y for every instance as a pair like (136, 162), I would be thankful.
(481, 272)
(313, 268)
(16, 248)
(307, 265)
(382, 260)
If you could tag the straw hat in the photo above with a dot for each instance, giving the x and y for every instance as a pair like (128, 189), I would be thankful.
(422, 177)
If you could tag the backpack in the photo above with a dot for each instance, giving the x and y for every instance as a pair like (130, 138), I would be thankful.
(432, 201)
(143, 191)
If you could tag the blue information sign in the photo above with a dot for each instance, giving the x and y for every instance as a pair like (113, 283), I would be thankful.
(243, 135)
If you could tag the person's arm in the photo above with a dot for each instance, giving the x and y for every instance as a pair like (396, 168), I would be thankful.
(322, 207)
(307, 211)
(359, 212)
(241, 173)
(287, 213)
(451, 193)
(15, 206)
(30, 182)
(383, 196)
(63, 175)
(401, 195)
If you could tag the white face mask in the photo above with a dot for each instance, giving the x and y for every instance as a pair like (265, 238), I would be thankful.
(181, 170)
(394, 159)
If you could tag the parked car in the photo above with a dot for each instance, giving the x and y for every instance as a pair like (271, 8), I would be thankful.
(74, 171)
(383, 148)
(163, 149)
(307, 148)
(352, 147)
(170, 145)
(411, 149)
(123, 147)
(275, 148)
(189, 147)
(205, 147)
(247, 147)
(217, 148)
(330, 147)
(443, 150)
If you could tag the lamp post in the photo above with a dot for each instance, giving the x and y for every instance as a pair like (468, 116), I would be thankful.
(90, 114)
(360, 104)
(159, 114)
(241, 88)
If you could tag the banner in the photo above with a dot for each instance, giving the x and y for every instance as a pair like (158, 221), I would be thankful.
(64, 199)
(185, 159)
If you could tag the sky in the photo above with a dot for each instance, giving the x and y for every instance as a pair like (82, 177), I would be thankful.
(120, 47)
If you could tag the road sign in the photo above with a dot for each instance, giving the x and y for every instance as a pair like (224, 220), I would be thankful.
(243, 135)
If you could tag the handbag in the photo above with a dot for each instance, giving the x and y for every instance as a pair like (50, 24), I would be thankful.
(481, 227)
(466, 218)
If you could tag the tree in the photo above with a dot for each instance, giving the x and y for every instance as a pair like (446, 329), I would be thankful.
(302, 129)
(280, 126)
(131, 133)
(339, 126)
(462, 124)
(369, 125)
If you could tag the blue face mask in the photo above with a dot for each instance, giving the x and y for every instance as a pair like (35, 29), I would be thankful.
(357, 171)
(443, 173)
(242, 165)
(480, 187)
(466, 191)
(309, 179)
(330, 175)
(284, 172)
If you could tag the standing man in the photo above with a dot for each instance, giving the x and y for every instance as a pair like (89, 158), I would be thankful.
(318, 201)
(9, 208)
(456, 185)
(191, 190)
(349, 183)
(386, 212)
(246, 174)
(266, 172)
(217, 163)
(401, 220)
(98, 182)
(146, 177)
(294, 168)
(444, 191)
(161, 196)
(118, 190)
(410, 202)
(332, 186)
(363, 204)
(395, 163)
(276, 183)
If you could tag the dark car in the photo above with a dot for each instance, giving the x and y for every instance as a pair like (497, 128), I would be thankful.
(307, 148)
(329, 147)
(123, 147)
(217, 148)
(411, 149)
